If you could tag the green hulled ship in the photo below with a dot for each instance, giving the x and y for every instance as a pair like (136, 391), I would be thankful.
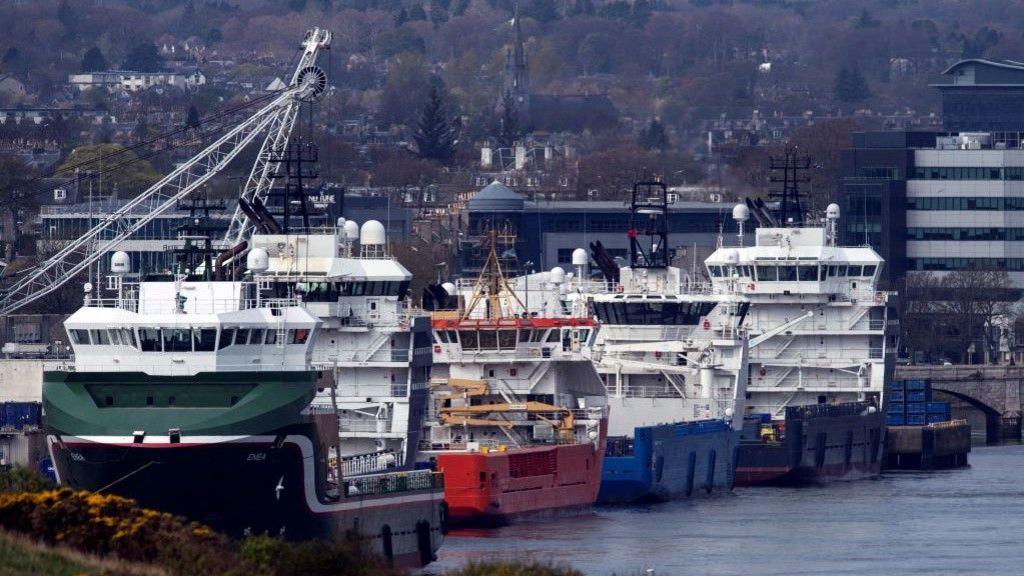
(193, 397)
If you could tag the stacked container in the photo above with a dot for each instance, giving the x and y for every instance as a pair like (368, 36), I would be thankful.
(17, 415)
(910, 404)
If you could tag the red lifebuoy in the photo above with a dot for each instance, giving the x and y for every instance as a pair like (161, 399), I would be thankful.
(707, 324)
(750, 286)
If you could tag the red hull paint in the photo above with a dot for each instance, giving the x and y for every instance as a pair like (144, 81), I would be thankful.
(497, 486)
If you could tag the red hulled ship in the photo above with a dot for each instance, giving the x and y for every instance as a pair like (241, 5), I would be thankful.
(518, 415)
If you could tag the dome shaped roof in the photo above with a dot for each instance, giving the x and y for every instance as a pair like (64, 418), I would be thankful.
(495, 196)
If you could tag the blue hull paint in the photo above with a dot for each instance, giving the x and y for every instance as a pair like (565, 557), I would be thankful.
(670, 461)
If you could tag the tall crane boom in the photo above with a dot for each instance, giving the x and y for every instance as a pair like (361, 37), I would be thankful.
(308, 82)
(259, 181)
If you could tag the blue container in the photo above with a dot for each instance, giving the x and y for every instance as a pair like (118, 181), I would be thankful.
(17, 415)
(896, 396)
(917, 384)
(895, 420)
(933, 418)
(916, 419)
(896, 408)
(916, 407)
(919, 396)
(896, 385)
(938, 407)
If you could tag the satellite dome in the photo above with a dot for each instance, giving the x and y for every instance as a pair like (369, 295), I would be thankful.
(372, 234)
(351, 230)
(449, 288)
(557, 275)
(832, 212)
(120, 263)
(258, 260)
(740, 213)
(341, 222)
(579, 257)
(732, 257)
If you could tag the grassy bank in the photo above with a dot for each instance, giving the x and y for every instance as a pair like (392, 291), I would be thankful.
(46, 530)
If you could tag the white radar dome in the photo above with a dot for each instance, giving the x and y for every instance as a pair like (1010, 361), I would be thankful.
(372, 234)
(449, 288)
(341, 222)
(832, 212)
(732, 257)
(579, 257)
(120, 263)
(557, 275)
(351, 230)
(258, 260)
(729, 412)
(740, 213)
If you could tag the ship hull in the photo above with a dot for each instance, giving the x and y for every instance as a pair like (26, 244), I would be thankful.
(272, 480)
(498, 487)
(670, 461)
(822, 444)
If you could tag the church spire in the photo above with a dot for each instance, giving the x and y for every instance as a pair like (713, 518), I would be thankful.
(517, 77)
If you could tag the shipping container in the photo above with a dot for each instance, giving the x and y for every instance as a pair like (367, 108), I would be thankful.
(916, 419)
(916, 407)
(895, 419)
(896, 408)
(896, 386)
(938, 407)
(917, 385)
(896, 396)
(933, 418)
(17, 415)
(919, 395)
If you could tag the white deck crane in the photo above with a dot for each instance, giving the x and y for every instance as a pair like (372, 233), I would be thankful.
(277, 118)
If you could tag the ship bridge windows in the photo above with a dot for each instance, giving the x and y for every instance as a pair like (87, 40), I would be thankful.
(331, 291)
(651, 313)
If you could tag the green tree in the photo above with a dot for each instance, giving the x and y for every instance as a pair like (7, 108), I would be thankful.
(507, 131)
(94, 61)
(192, 120)
(16, 194)
(851, 86)
(541, 10)
(119, 171)
(406, 87)
(654, 137)
(595, 52)
(435, 131)
(143, 58)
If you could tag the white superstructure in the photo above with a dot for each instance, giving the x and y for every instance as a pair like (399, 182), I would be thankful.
(840, 351)
(373, 348)
(182, 328)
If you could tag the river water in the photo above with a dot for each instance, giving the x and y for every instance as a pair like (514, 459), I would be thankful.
(967, 521)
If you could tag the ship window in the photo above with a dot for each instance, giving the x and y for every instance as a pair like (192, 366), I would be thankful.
(524, 335)
(149, 338)
(171, 400)
(243, 336)
(840, 270)
(853, 271)
(808, 273)
(149, 400)
(716, 271)
(869, 271)
(109, 400)
(553, 335)
(271, 337)
(227, 338)
(767, 273)
(488, 339)
(507, 339)
(115, 337)
(453, 336)
(256, 336)
(100, 337)
(468, 338)
(177, 340)
(441, 336)
(787, 273)
(129, 338)
(205, 339)
(537, 336)
(79, 336)
(299, 336)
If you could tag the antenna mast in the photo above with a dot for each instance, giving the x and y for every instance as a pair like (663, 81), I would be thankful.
(794, 170)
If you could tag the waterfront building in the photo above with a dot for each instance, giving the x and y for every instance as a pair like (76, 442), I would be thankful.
(980, 94)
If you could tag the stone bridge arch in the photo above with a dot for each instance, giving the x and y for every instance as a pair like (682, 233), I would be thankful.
(993, 417)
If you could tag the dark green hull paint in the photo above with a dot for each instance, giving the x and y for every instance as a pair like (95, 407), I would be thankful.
(77, 402)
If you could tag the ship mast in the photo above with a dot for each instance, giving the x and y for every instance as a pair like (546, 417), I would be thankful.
(492, 286)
